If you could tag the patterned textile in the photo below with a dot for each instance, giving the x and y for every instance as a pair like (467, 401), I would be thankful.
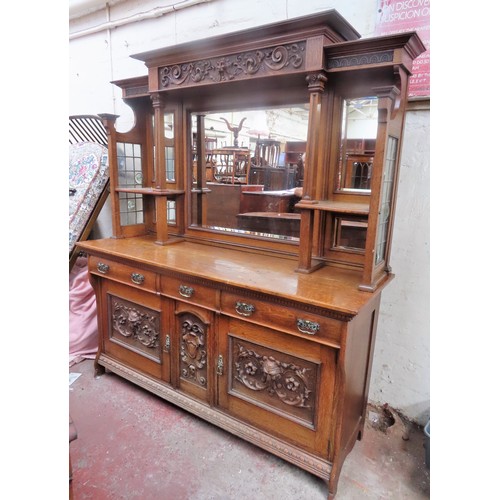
(88, 174)
(83, 336)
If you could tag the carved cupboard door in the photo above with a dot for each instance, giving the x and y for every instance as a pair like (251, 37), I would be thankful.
(134, 328)
(192, 351)
(284, 387)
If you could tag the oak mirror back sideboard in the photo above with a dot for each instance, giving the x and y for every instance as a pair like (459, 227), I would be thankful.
(253, 204)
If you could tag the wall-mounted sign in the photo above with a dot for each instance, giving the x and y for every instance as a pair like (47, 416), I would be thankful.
(398, 16)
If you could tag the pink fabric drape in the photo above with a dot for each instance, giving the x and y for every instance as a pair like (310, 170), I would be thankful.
(83, 337)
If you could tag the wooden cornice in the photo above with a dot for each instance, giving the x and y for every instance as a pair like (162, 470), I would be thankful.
(331, 25)
(133, 87)
(388, 50)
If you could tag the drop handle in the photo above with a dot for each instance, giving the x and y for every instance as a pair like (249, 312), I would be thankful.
(244, 309)
(186, 291)
(306, 326)
(137, 278)
(166, 348)
(220, 365)
(102, 268)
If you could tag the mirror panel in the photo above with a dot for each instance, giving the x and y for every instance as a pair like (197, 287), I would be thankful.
(169, 128)
(252, 165)
(350, 233)
(359, 133)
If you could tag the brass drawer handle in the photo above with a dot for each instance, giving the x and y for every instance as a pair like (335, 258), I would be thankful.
(102, 268)
(137, 278)
(306, 326)
(244, 309)
(186, 291)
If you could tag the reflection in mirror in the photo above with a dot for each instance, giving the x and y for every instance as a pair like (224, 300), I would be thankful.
(359, 133)
(350, 233)
(168, 121)
(252, 163)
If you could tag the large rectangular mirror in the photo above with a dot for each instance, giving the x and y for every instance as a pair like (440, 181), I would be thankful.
(251, 164)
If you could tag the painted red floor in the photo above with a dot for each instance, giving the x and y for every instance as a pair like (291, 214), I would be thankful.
(134, 445)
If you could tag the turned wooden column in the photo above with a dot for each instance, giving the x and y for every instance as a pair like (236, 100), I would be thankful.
(313, 170)
(109, 121)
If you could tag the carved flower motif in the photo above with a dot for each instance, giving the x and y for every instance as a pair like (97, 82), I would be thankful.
(221, 65)
(133, 316)
(271, 367)
(292, 384)
(250, 368)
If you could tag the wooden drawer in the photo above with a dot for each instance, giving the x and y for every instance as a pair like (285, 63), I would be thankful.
(188, 291)
(287, 319)
(129, 275)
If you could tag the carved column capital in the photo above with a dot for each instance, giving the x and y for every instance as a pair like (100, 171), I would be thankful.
(108, 120)
(157, 99)
(316, 82)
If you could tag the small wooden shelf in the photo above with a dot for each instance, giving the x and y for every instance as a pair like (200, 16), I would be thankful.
(341, 207)
(151, 191)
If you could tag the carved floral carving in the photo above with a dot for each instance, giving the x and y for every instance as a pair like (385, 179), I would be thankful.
(287, 381)
(136, 322)
(193, 351)
(236, 66)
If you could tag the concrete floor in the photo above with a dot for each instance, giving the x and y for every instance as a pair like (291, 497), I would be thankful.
(134, 445)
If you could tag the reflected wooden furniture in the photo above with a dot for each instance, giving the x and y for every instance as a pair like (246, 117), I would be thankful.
(277, 223)
(273, 178)
(267, 201)
(269, 338)
(294, 150)
(230, 165)
(223, 203)
(267, 153)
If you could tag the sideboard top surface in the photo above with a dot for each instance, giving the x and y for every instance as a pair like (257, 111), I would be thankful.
(332, 288)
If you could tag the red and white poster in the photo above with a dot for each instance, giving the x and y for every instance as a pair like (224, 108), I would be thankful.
(398, 16)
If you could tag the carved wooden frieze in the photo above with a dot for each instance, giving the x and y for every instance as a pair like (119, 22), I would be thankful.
(193, 350)
(135, 326)
(135, 91)
(285, 58)
(276, 379)
(360, 59)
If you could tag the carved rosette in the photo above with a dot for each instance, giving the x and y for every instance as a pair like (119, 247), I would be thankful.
(234, 67)
(193, 351)
(135, 323)
(286, 381)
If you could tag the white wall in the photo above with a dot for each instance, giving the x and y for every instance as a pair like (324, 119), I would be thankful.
(400, 375)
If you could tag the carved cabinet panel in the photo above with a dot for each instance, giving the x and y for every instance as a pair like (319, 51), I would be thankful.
(193, 338)
(134, 327)
(277, 385)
